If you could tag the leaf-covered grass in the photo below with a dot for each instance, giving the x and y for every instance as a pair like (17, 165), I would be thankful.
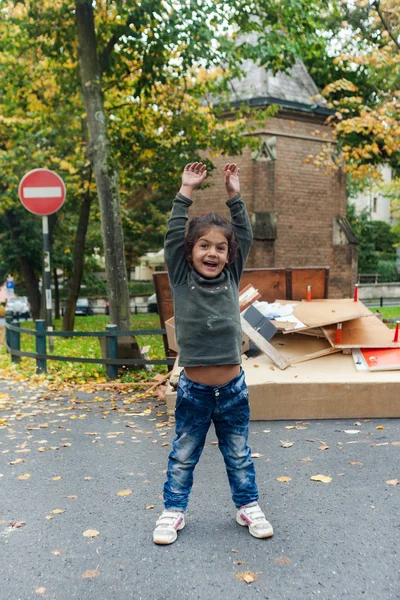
(87, 347)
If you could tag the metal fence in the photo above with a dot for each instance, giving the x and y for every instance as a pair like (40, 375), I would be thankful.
(111, 360)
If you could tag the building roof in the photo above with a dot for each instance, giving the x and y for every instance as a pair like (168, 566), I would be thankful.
(295, 89)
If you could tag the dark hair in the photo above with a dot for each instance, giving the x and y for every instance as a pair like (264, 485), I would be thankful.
(198, 226)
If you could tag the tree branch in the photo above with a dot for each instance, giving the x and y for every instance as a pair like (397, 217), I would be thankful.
(376, 6)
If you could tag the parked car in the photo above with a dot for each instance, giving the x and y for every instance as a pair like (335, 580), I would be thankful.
(18, 306)
(152, 304)
(83, 307)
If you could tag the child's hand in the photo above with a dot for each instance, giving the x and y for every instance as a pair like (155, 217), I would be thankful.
(193, 175)
(231, 178)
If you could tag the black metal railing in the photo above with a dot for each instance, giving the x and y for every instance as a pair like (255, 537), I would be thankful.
(111, 360)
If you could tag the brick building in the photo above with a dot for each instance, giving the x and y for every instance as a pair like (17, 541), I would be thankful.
(297, 211)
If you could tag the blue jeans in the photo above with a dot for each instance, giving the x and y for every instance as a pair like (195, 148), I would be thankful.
(196, 406)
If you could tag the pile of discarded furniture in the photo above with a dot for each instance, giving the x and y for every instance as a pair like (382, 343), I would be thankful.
(313, 358)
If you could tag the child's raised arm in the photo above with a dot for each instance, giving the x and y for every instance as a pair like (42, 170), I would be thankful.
(193, 175)
(239, 218)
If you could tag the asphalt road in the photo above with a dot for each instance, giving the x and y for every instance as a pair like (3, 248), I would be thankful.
(336, 540)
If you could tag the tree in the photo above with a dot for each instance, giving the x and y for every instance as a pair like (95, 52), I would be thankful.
(365, 93)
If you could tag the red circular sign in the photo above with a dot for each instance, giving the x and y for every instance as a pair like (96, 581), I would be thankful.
(42, 192)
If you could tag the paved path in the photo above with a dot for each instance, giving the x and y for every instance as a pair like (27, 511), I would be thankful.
(337, 540)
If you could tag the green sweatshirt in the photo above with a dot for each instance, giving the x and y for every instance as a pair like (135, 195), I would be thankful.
(207, 316)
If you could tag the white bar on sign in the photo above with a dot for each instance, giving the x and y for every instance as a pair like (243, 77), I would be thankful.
(42, 192)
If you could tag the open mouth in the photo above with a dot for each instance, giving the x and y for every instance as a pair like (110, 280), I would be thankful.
(211, 266)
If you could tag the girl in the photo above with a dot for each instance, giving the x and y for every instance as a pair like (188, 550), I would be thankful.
(205, 267)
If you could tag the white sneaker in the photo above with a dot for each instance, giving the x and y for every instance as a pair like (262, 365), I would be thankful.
(167, 526)
(252, 516)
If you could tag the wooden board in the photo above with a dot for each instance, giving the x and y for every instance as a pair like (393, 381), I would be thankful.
(362, 333)
(319, 313)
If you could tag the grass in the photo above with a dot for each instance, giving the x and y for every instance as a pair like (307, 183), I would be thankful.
(389, 312)
(87, 347)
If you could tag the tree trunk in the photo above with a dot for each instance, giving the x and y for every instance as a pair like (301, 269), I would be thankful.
(78, 262)
(28, 272)
(104, 169)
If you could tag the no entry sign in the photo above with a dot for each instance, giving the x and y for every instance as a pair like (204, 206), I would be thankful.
(42, 192)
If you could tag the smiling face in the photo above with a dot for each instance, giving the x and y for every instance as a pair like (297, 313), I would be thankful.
(210, 253)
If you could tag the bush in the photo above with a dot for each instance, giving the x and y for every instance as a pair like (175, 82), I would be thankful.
(141, 288)
(387, 271)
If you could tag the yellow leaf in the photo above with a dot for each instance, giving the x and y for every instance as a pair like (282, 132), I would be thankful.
(90, 533)
(89, 574)
(23, 477)
(393, 482)
(124, 493)
(57, 478)
(380, 427)
(40, 591)
(150, 506)
(322, 478)
(284, 479)
(247, 576)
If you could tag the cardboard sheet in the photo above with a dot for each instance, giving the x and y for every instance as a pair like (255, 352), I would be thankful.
(319, 313)
(362, 333)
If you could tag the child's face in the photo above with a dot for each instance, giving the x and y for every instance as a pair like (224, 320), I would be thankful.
(210, 253)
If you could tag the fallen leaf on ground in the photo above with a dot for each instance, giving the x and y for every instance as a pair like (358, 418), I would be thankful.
(57, 552)
(23, 477)
(266, 431)
(352, 431)
(56, 478)
(90, 533)
(324, 447)
(16, 524)
(306, 459)
(214, 443)
(282, 560)
(322, 478)
(58, 511)
(247, 576)
(150, 506)
(395, 443)
(286, 444)
(89, 574)
(284, 478)
(380, 427)
(354, 462)
(393, 482)
(124, 493)
(40, 591)
(256, 455)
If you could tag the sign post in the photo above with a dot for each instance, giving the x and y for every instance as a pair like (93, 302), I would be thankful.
(10, 287)
(43, 192)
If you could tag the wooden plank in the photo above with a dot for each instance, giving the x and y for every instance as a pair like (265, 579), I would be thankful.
(317, 277)
(319, 354)
(263, 345)
(362, 333)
